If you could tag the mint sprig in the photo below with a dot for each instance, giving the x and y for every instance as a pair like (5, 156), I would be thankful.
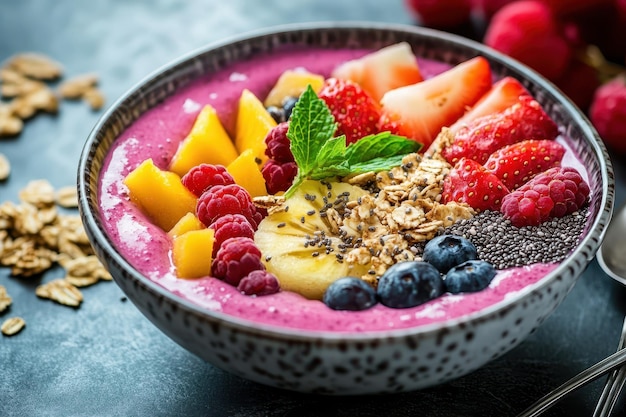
(319, 155)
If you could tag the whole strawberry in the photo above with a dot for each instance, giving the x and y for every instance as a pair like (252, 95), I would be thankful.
(484, 135)
(529, 32)
(554, 193)
(355, 111)
(517, 163)
(608, 113)
(469, 182)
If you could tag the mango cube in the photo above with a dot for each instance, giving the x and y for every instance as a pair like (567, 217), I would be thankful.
(207, 142)
(192, 253)
(292, 83)
(159, 194)
(253, 124)
(246, 172)
(186, 224)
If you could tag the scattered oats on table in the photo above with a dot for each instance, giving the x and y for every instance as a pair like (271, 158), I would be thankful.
(12, 326)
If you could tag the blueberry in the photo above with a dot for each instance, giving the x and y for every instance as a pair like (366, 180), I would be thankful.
(350, 293)
(288, 104)
(408, 284)
(277, 113)
(447, 251)
(470, 276)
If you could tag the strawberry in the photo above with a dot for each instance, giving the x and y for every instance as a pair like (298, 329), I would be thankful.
(485, 135)
(419, 111)
(382, 70)
(355, 112)
(502, 95)
(608, 113)
(469, 182)
(517, 163)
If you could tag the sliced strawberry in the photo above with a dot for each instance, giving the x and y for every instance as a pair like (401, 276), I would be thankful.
(517, 163)
(419, 111)
(355, 111)
(485, 135)
(469, 182)
(388, 68)
(502, 95)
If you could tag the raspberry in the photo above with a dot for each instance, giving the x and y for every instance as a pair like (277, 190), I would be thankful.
(528, 31)
(236, 258)
(220, 200)
(554, 193)
(278, 144)
(230, 225)
(441, 13)
(259, 282)
(608, 113)
(204, 176)
(278, 176)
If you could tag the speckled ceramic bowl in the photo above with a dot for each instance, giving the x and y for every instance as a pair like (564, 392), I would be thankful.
(345, 363)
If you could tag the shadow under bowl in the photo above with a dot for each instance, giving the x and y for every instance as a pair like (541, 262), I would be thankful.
(331, 362)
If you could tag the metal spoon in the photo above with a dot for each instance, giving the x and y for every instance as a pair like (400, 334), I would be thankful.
(612, 259)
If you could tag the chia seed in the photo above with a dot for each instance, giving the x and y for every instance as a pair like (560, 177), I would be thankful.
(505, 246)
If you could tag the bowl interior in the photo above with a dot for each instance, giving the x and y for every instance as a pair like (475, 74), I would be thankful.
(426, 44)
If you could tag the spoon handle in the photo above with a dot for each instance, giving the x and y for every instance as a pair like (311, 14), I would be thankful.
(613, 385)
(590, 374)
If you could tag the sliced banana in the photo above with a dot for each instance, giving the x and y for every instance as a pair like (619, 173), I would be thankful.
(302, 245)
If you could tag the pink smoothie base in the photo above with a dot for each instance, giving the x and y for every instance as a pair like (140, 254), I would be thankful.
(156, 135)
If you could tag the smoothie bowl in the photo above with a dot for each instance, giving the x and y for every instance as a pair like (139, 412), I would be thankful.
(346, 209)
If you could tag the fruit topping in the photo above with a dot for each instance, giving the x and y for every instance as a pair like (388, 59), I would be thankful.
(483, 136)
(230, 225)
(386, 69)
(447, 251)
(278, 144)
(192, 253)
(220, 200)
(354, 110)
(517, 163)
(471, 183)
(301, 246)
(553, 193)
(470, 276)
(259, 282)
(608, 113)
(350, 293)
(236, 258)
(279, 175)
(529, 32)
(283, 113)
(421, 110)
(503, 94)
(207, 143)
(246, 172)
(292, 83)
(409, 284)
(202, 177)
(252, 125)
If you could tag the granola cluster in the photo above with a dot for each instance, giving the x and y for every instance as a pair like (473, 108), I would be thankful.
(36, 235)
(402, 212)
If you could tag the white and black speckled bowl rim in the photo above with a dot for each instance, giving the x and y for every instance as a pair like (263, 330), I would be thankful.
(450, 48)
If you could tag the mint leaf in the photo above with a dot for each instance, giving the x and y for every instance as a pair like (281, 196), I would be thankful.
(380, 145)
(311, 125)
(319, 155)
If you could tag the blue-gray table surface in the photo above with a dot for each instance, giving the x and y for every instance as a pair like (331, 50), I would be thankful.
(106, 359)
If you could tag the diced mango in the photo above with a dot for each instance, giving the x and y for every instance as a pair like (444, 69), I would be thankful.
(192, 253)
(207, 142)
(247, 173)
(253, 125)
(292, 83)
(160, 194)
(186, 224)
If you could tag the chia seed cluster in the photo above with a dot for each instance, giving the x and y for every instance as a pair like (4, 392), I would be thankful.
(505, 246)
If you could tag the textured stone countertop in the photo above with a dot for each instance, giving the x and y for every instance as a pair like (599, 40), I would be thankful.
(106, 359)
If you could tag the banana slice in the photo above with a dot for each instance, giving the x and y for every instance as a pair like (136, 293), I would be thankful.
(302, 247)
